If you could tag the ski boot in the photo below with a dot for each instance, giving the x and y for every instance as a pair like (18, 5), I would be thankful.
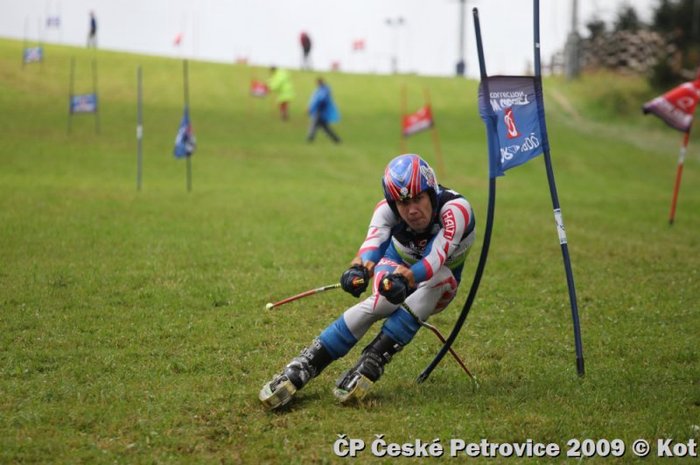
(356, 382)
(310, 362)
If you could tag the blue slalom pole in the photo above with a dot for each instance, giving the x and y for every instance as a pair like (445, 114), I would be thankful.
(555, 198)
(487, 232)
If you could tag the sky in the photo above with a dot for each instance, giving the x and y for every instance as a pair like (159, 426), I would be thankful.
(266, 32)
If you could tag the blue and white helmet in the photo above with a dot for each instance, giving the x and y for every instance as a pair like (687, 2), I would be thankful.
(406, 176)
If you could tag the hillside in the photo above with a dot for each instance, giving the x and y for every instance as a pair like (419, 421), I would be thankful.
(132, 323)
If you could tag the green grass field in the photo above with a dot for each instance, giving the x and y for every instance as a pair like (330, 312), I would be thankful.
(132, 324)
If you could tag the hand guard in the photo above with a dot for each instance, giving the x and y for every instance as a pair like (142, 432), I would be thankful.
(355, 280)
(394, 287)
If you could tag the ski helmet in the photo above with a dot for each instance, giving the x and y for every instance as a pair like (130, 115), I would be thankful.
(406, 176)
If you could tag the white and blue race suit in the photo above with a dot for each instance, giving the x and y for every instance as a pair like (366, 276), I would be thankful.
(436, 258)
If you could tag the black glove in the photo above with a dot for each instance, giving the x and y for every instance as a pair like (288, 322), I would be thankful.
(355, 280)
(394, 287)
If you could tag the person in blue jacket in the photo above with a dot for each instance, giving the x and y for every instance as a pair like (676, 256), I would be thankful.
(323, 112)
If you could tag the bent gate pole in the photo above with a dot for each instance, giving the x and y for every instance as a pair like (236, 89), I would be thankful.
(555, 199)
(487, 237)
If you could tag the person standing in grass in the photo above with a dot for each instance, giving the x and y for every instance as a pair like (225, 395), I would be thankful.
(281, 84)
(305, 41)
(92, 32)
(418, 240)
(323, 112)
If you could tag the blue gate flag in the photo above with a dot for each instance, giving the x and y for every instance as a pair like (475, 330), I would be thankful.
(184, 141)
(509, 106)
(33, 54)
(53, 21)
(86, 103)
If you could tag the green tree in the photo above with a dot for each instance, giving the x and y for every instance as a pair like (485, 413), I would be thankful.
(679, 22)
(627, 20)
(596, 28)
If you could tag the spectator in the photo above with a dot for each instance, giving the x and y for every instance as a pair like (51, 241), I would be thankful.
(305, 50)
(92, 34)
(281, 84)
(322, 111)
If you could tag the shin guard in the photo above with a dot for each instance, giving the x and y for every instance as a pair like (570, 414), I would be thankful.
(357, 381)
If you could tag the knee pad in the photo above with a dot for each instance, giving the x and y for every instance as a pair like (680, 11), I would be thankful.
(337, 338)
(401, 326)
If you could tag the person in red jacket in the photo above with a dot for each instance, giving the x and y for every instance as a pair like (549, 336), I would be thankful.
(305, 41)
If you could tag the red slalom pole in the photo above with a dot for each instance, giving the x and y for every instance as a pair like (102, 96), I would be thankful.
(454, 354)
(679, 173)
(402, 140)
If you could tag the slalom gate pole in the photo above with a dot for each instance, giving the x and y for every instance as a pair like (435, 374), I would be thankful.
(441, 338)
(41, 44)
(402, 140)
(186, 82)
(94, 91)
(487, 233)
(679, 173)
(25, 42)
(555, 199)
(139, 127)
(248, 100)
(70, 93)
(436, 138)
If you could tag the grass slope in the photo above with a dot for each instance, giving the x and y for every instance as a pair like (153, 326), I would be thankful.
(132, 325)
